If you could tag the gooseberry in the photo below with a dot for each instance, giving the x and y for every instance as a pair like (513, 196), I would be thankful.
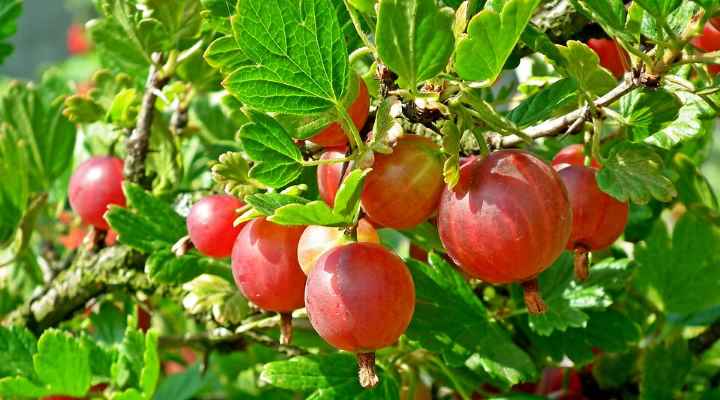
(329, 176)
(573, 155)
(709, 41)
(598, 218)
(210, 225)
(333, 135)
(611, 56)
(96, 184)
(266, 269)
(360, 297)
(404, 188)
(507, 219)
(316, 240)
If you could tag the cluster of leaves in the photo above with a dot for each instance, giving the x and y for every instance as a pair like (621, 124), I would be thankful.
(256, 78)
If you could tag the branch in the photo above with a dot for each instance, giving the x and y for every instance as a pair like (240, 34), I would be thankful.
(139, 141)
(573, 119)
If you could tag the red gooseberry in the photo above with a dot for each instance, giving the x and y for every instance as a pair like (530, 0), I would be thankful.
(709, 40)
(96, 184)
(329, 176)
(77, 41)
(266, 270)
(210, 225)
(404, 188)
(573, 155)
(506, 220)
(598, 218)
(333, 135)
(360, 297)
(316, 240)
(611, 56)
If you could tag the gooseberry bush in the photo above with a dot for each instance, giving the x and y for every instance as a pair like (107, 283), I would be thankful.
(392, 199)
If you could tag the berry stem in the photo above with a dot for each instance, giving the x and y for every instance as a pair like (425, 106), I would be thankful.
(286, 330)
(366, 370)
(533, 299)
(581, 263)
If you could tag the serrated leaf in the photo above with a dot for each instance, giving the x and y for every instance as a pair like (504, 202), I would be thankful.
(82, 110)
(691, 122)
(231, 171)
(645, 112)
(633, 171)
(313, 213)
(148, 223)
(277, 160)
(17, 347)
(451, 148)
(491, 38)
(485, 111)
(414, 39)
(694, 249)
(267, 203)
(663, 371)
(21, 387)
(151, 365)
(101, 357)
(329, 376)
(610, 14)
(15, 188)
(347, 198)
(545, 103)
(212, 294)
(128, 365)
(225, 54)
(583, 64)
(164, 267)
(62, 363)
(659, 8)
(10, 10)
(443, 298)
(298, 52)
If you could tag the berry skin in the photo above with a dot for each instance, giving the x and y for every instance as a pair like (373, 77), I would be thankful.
(360, 297)
(77, 41)
(329, 175)
(96, 184)
(316, 240)
(611, 56)
(598, 218)
(507, 220)
(210, 225)
(265, 266)
(333, 135)
(404, 187)
(709, 41)
(572, 155)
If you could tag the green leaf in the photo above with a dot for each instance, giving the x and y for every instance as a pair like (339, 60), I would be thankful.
(21, 387)
(15, 187)
(63, 363)
(610, 14)
(583, 64)
(691, 123)
(659, 8)
(17, 347)
(231, 170)
(633, 171)
(164, 267)
(664, 369)
(331, 376)
(109, 323)
(183, 385)
(127, 369)
(485, 111)
(646, 111)
(277, 160)
(180, 19)
(151, 365)
(267, 203)
(31, 115)
(414, 39)
(451, 148)
(443, 298)
(225, 54)
(539, 41)
(709, 5)
(9, 12)
(481, 55)
(148, 223)
(209, 294)
(426, 236)
(693, 187)
(545, 103)
(298, 54)
(101, 357)
(347, 198)
(565, 299)
(693, 249)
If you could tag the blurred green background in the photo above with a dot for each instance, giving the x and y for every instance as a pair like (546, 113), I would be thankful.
(41, 42)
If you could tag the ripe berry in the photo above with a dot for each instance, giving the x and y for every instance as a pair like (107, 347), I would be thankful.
(360, 298)
(330, 175)
(573, 155)
(611, 56)
(598, 218)
(96, 184)
(709, 41)
(77, 41)
(266, 270)
(210, 225)
(506, 220)
(404, 187)
(334, 135)
(316, 240)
